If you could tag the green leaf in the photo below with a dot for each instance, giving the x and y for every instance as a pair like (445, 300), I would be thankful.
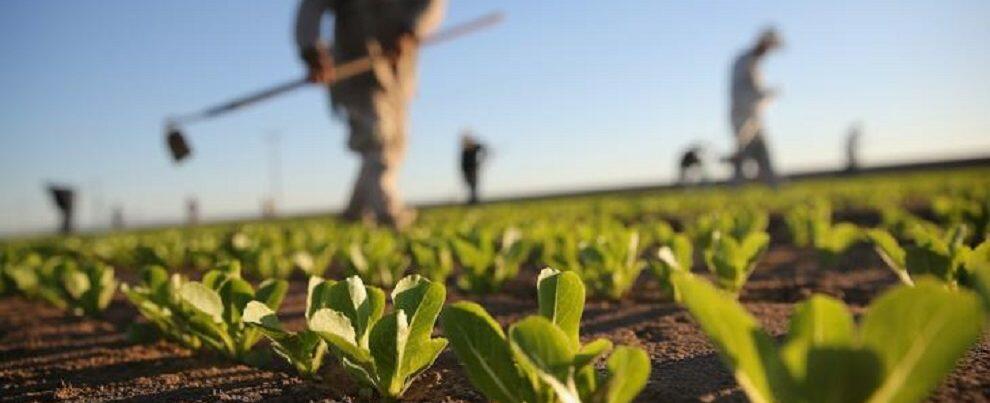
(76, 283)
(819, 321)
(235, 294)
(422, 301)
(628, 370)
(919, 333)
(336, 329)
(744, 347)
(203, 299)
(561, 299)
(272, 292)
(891, 252)
(589, 352)
(542, 348)
(388, 345)
(480, 346)
(840, 374)
(260, 314)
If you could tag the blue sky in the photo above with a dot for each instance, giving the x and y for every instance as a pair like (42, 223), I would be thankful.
(570, 94)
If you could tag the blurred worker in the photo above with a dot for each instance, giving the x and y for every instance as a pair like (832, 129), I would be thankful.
(375, 103)
(692, 166)
(63, 197)
(749, 97)
(117, 218)
(473, 154)
(852, 147)
(192, 211)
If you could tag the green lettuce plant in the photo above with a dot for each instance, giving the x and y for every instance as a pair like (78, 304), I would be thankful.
(677, 255)
(82, 286)
(378, 258)
(207, 312)
(610, 264)
(908, 340)
(944, 257)
(486, 264)
(732, 260)
(383, 351)
(541, 358)
(432, 258)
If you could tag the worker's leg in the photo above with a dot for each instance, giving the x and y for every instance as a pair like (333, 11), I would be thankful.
(471, 177)
(739, 124)
(762, 156)
(385, 200)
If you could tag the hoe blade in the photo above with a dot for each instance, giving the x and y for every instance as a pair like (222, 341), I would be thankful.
(177, 145)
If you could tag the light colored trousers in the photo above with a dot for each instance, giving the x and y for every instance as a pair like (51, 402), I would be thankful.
(751, 145)
(378, 122)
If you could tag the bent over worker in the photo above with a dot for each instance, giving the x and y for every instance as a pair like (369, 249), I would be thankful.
(375, 103)
(749, 97)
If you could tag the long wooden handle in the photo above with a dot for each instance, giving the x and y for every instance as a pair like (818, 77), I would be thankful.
(342, 71)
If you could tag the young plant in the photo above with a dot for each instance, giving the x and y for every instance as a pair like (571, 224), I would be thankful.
(677, 255)
(610, 265)
(384, 352)
(487, 265)
(79, 285)
(432, 258)
(208, 311)
(541, 359)
(732, 260)
(909, 339)
(305, 349)
(379, 259)
(811, 225)
(157, 300)
(941, 257)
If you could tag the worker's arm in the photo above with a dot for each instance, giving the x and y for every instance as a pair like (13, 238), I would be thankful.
(313, 50)
(422, 17)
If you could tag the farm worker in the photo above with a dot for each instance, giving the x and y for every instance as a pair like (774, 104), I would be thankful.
(852, 147)
(64, 198)
(375, 103)
(472, 156)
(749, 97)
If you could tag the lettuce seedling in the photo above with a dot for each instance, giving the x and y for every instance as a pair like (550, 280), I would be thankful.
(304, 350)
(379, 259)
(541, 358)
(207, 313)
(432, 258)
(811, 225)
(384, 351)
(675, 256)
(610, 265)
(488, 264)
(732, 260)
(908, 340)
(79, 285)
(945, 258)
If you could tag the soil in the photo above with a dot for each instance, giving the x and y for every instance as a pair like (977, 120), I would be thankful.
(47, 355)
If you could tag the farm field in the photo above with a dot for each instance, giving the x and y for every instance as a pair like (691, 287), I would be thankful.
(633, 254)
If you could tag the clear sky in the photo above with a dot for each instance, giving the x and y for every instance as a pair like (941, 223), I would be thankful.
(569, 94)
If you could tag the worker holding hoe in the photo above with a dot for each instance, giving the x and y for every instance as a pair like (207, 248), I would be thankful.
(374, 103)
(749, 97)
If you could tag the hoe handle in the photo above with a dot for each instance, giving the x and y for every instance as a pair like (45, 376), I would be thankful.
(341, 72)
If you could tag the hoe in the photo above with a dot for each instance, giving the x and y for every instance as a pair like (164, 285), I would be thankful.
(176, 141)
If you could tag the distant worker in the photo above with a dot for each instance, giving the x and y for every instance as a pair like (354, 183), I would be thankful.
(192, 211)
(749, 97)
(117, 218)
(692, 166)
(375, 103)
(473, 155)
(64, 198)
(852, 147)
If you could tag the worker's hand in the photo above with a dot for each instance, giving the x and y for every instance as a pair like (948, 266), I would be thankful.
(407, 42)
(320, 65)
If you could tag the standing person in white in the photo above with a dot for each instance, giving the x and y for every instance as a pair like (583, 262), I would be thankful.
(749, 97)
(374, 103)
